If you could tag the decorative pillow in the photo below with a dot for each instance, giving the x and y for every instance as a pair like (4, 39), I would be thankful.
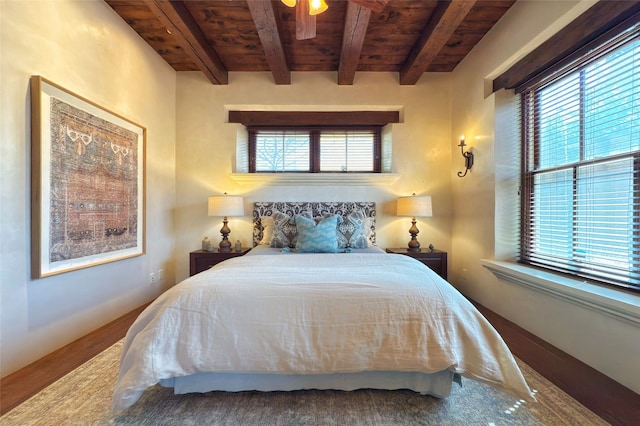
(267, 230)
(284, 229)
(369, 229)
(316, 237)
(351, 232)
(342, 208)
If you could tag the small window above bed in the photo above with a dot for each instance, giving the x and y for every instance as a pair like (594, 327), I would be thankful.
(314, 150)
(352, 142)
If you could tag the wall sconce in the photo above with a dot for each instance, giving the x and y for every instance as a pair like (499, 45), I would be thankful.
(468, 158)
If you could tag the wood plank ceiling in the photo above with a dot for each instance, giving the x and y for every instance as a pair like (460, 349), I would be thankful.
(409, 37)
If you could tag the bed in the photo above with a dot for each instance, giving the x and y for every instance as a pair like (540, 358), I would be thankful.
(314, 305)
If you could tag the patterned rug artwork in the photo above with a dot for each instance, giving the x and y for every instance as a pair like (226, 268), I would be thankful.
(83, 397)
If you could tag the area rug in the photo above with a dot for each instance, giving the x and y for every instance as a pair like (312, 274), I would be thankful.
(83, 397)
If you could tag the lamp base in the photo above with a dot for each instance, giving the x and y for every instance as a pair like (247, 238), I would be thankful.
(225, 244)
(414, 244)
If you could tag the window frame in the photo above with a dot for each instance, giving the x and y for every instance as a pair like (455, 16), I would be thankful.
(530, 124)
(314, 145)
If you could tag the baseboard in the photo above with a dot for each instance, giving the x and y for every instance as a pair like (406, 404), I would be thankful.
(26, 382)
(604, 396)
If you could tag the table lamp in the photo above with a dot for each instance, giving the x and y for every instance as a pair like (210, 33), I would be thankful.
(414, 206)
(225, 206)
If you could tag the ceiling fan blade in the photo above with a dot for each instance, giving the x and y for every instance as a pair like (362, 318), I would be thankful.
(305, 23)
(375, 5)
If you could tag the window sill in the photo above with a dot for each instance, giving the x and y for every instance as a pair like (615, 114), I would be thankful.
(621, 305)
(321, 179)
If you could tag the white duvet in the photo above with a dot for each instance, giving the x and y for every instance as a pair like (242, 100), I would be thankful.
(313, 314)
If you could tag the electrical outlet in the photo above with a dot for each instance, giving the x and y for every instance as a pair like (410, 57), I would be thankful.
(152, 278)
(160, 274)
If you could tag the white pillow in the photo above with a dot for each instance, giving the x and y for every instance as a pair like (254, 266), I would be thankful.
(368, 223)
(267, 230)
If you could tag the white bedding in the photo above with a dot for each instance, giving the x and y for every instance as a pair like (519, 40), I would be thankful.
(313, 314)
(264, 249)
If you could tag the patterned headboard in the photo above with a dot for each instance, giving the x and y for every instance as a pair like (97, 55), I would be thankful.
(291, 208)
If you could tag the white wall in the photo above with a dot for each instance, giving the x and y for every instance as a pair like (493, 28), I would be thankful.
(485, 200)
(86, 48)
(206, 151)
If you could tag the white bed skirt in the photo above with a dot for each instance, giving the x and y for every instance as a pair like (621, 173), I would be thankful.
(435, 384)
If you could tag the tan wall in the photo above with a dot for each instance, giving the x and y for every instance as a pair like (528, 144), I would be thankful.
(206, 150)
(86, 48)
(485, 201)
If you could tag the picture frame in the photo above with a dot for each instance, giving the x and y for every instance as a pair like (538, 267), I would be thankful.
(87, 182)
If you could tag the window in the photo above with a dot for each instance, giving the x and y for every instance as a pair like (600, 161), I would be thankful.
(581, 166)
(279, 151)
(345, 149)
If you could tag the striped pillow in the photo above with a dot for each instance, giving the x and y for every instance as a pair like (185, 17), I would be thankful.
(316, 237)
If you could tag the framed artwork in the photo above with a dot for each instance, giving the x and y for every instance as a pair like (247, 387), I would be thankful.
(87, 182)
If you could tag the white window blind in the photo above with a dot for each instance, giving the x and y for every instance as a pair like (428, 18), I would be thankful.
(315, 150)
(282, 151)
(581, 168)
(346, 151)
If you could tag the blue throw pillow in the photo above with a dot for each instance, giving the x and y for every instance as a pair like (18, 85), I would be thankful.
(317, 237)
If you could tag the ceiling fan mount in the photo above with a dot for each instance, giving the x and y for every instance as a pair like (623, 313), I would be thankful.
(306, 11)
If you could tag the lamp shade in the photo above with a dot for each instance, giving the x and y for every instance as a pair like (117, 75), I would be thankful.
(414, 206)
(226, 205)
(316, 7)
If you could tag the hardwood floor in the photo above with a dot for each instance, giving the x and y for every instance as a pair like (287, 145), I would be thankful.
(26, 382)
(604, 396)
(613, 402)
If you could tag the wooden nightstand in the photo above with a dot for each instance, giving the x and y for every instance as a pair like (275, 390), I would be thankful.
(436, 259)
(201, 260)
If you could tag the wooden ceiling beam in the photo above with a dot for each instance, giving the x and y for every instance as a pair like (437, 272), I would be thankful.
(313, 118)
(373, 5)
(446, 17)
(355, 28)
(175, 16)
(267, 27)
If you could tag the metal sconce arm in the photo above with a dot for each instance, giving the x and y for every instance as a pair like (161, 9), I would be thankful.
(468, 158)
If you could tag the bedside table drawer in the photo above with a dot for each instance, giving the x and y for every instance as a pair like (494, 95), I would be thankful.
(435, 264)
(203, 263)
(436, 259)
(201, 260)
